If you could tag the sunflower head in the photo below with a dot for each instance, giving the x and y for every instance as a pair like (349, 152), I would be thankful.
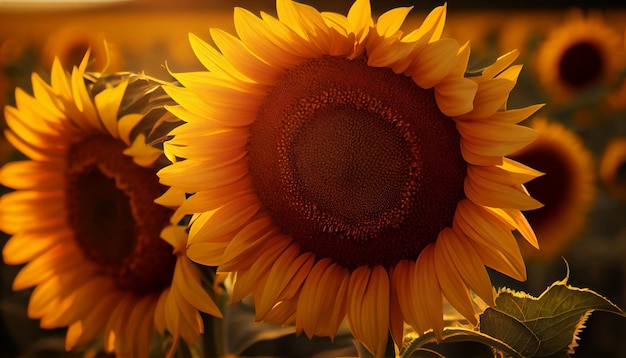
(339, 168)
(69, 44)
(582, 53)
(612, 169)
(105, 260)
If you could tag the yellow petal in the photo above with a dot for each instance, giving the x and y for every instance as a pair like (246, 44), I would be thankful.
(404, 282)
(432, 27)
(396, 317)
(455, 96)
(212, 199)
(27, 245)
(60, 80)
(360, 18)
(43, 114)
(246, 280)
(492, 239)
(390, 22)
(216, 142)
(287, 270)
(108, 103)
(450, 280)
(490, 97)
(254, 246)
(173, 197)
(469, 266)
(501, 63)
(509, 173)
(143, 154)
(261, 41)
(84, 331)
(319, 313)
(434, 62)
(24, 125)
(429, 309)
(490, 193)
(462, 59)
(516, 219)
(305, 20)
(187, 280)
(213, 60)
(368, 307)
(32, 175)
(159, 312)
(126, 124)
(192, 176)
(139, 328)
(241, 58)
(88, 117)
(483, 133)
(226, 219)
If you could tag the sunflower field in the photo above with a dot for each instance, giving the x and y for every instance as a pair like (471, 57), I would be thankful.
(263, 178)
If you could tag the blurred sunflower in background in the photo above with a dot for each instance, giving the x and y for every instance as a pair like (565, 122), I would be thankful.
(581, 54)
(339, 167)
(103, 257)
(69, 44)
(612, 170)
(567, 188)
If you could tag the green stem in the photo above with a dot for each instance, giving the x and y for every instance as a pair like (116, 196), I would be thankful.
(457, 334)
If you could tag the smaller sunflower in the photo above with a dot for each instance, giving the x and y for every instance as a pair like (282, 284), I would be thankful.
(613, 168)
(582, 53)
(104, 259)
(617, 99)
(70, 43)
(567, 189)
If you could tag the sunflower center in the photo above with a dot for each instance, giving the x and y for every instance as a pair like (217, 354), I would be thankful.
(356, 163)
(117, 225)
(581, 65)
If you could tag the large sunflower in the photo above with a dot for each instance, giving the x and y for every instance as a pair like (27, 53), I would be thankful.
(340, 167)
(581, 53)
(567, 189)
(104, 258)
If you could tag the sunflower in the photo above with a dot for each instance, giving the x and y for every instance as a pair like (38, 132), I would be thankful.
(567, 189)
(342, 168)
(103, 257)
(69, 44)
(612, 165)
(580, 54)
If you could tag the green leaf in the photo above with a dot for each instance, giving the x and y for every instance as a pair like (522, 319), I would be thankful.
(544, 326)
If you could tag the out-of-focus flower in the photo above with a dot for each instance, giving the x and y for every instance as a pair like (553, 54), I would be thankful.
(567, 188)
(582, 53)
(617, 98)
(11, 53)
(103, 257)
(612, 168)
(342, 168)
(70, 43)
